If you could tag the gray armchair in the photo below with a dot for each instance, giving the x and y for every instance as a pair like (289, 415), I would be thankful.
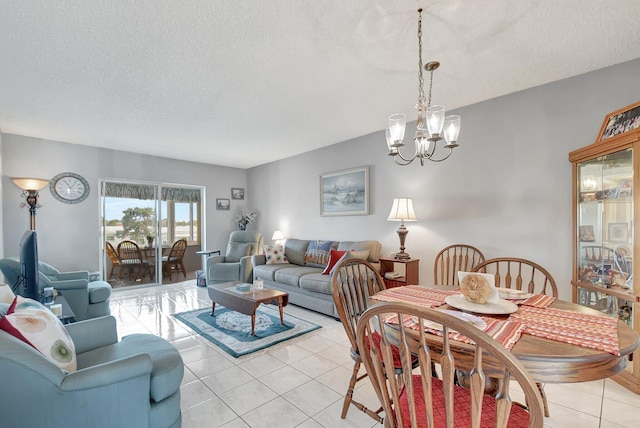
(236, 264)
(131, 383)
(86, 299)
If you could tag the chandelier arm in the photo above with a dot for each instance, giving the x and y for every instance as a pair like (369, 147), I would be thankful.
(441, 159)
(407, 160)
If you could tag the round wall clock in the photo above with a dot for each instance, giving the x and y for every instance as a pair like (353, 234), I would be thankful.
(69, 188)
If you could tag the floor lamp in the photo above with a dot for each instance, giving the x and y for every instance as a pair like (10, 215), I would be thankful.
(30, 187)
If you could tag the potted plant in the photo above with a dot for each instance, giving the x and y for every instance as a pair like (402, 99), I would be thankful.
(245, 218)
(149, 241)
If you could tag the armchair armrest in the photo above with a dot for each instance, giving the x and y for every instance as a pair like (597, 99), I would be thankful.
(81, 274)
(109, 373)
(93, 333)
(259, 259)
(215, 259)
(70, 284)
(246, 269)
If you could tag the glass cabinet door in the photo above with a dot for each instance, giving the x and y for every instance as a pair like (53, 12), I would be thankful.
(605, 227)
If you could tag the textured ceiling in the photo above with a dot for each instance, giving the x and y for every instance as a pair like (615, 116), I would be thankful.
(242, 83)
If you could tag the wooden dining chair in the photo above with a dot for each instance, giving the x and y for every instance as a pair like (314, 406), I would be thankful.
(452, 259)
(131, 258)
(174, 260)
(425, 400)
(114, 258)
(354, 282)
(521, 274)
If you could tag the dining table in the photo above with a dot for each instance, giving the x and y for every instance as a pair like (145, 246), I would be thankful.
(547, 359)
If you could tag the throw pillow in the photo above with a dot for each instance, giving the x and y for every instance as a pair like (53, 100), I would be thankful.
(236, 251)
(319, 253)
(333, 260)
(363, 255)
(274, 254)
(34, 324)
(6, 294)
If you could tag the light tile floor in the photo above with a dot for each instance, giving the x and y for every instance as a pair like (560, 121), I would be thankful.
(301, 382)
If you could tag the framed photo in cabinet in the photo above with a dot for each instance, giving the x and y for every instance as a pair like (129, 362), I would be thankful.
(586, 234)
(620, 121)
(618, 232)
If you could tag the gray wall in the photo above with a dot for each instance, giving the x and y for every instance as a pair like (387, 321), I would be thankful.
(68, 234)
(506, 189)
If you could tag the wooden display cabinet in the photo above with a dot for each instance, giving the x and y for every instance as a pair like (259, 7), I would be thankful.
(411, 269)
(605, 210)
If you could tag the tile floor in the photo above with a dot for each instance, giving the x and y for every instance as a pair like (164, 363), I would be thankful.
(301, 382)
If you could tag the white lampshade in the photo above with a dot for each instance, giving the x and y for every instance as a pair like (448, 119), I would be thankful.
(277, 235)
(435, 119)
(397, 124)
(6, 295)
(30, 183)
(402, 210)
(451, 128)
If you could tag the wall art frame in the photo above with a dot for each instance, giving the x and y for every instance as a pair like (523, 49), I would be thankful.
(223, 204)
(345, 192)
(237, 193)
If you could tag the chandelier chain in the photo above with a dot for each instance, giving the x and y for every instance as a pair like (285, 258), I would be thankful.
(420, 76)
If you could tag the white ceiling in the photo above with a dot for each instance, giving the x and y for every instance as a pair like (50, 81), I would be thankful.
(242, 83)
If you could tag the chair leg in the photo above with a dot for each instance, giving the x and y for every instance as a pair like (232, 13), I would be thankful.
(544, 398)
(348, 398)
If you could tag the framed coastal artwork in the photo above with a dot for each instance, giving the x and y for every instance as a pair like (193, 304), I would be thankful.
(345, 192)
(223, 204)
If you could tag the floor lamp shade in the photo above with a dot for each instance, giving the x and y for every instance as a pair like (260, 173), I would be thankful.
(30, 187)
(402, 210)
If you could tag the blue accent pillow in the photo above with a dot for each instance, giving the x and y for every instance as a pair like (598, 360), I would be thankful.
(319, 253)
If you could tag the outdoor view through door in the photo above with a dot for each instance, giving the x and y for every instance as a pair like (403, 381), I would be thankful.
(140, 225)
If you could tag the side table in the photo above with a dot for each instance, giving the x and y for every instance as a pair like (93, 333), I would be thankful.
(411, 271)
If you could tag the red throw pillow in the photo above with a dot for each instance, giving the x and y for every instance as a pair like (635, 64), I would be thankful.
(334, 257)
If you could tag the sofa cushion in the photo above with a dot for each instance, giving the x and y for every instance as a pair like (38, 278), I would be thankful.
(236, 251)
(268, 271)
(333, 260)
(168, 368)
(34, 324)
(316, 282)
(274, 254)
(372, 246)
(319, 252)
(295, 250)
(291, 276)
(99, 291)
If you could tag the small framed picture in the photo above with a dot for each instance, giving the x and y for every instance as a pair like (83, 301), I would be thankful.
(586, 234)
(618, 232)
(620, 121)
(237, 193)
(223, 204)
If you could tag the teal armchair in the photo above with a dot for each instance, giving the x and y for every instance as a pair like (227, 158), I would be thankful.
(132, 383)
(236, 264)
(87, 299)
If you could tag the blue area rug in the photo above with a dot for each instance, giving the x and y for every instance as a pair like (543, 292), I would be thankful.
(231, 330)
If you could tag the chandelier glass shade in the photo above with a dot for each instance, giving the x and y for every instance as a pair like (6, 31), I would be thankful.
(432, 124)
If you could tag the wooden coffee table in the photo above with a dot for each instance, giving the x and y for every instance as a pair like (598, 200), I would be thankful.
(247, 302)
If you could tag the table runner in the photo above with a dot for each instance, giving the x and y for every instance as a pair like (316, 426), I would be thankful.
(416, 294)
(506, 332)
(590, 331)
(538, 301)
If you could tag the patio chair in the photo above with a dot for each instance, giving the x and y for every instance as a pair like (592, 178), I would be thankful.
(114, 259)
(174, 260)
(131, 258)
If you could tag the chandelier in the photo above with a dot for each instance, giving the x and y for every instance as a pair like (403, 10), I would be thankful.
(432, 125)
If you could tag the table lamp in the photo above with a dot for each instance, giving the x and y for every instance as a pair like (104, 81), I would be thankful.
(402, 210)
(278, 236)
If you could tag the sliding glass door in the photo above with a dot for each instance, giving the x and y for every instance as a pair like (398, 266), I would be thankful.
(140, 222)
